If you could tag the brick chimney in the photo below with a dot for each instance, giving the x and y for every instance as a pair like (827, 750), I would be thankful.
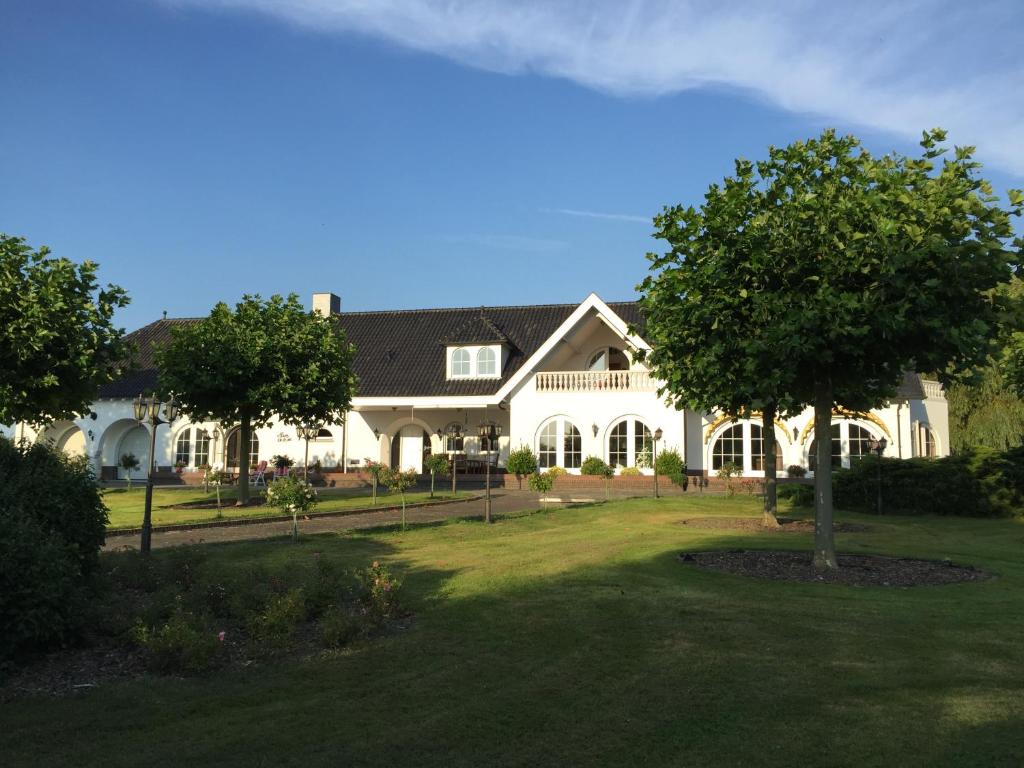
(326, 304)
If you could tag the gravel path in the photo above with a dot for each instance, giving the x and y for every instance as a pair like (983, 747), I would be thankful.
(502, 503)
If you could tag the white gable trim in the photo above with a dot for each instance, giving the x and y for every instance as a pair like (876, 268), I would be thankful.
(604, 312)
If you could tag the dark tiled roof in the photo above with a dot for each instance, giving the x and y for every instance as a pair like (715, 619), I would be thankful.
(401, 353)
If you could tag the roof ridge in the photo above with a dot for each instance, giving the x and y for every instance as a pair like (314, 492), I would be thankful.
(472, 309)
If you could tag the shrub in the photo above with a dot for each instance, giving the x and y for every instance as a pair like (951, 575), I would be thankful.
(338, 627)
(672, 466)
(727, 473)
(378, 593)
(280, 461)
(798, 494)
(183, 645)
(630, 472)
(795, 470)
(595, 466)
(557, 472)
(274, 627)
(52, 525)
(521, 461)
(981, 482)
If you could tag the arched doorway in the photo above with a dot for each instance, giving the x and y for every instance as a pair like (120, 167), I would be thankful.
(135, 442)
(409, 446)
(65, 436)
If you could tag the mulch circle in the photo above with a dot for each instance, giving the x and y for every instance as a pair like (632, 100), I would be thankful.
(253, 502)
(753, 524)
(854, 570)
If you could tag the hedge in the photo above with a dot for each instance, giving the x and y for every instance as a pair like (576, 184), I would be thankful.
(981, 482)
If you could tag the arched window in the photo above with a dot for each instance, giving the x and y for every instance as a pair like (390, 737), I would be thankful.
(460, 363)
(559, 444)
(183, 448)
(486, 364)
(837, 450)
(757, 449)
(608, 359)
(233, 448)
(728, 448)
(202, 457)
(630, 444)
(858, 442)
(928, 444)
(324, 434)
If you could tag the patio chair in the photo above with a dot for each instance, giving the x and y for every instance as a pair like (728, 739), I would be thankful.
(257, 476)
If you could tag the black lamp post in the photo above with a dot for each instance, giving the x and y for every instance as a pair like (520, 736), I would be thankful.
(657, 436)
(147, 411)
(489, 432)
(307, 432)
(877, 447)
(454, 433)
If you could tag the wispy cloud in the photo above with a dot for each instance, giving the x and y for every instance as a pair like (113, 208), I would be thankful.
(898, 67)
(598, 215)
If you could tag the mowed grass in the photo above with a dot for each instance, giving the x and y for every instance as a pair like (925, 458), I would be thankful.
(126, 507)
(576, 637)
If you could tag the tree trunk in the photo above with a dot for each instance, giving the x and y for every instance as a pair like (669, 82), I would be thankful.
(770, 449)
(431, 485)
(824, 538)
(244, 444)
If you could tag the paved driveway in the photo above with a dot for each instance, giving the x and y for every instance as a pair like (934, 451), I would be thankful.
(502, 503)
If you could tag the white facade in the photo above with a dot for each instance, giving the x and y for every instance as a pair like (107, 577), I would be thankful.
(581, 393)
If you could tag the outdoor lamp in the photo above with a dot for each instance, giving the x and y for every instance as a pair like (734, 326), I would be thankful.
(594, 428)
(139, 408)
(657, 434)
(171, 409)
(881, 445)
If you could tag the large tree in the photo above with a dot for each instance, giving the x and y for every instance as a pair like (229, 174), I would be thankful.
(261, 360)
(879, 265)
(58, 342)
(709, 308)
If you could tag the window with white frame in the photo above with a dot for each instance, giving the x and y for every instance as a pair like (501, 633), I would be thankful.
(324, 434)
(858, 442)
(728, 448)
(454, 438)
(837, 450)
(559, 444)
(757, 449)
(630, 444)
(486, 362)
(202, 456)
(183, 448)
(850, 443)
(461, 363)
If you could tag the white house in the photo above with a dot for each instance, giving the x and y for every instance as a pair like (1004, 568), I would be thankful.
(562, 379)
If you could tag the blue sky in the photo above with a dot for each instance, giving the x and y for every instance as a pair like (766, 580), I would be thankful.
(409, 153)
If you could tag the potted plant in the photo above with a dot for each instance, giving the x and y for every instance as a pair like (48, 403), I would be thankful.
(129, 463)
(179, 466)
(282, 464)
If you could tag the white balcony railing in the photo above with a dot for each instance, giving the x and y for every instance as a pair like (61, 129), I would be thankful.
(595, 381)
(932, 389)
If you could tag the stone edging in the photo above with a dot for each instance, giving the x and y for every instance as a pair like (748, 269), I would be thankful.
(230, 523)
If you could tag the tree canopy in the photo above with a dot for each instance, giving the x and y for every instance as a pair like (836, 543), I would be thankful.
(861, 267)
(258, 361)
(58, 341)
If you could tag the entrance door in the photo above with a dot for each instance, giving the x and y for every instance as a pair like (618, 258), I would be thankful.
(411, 451)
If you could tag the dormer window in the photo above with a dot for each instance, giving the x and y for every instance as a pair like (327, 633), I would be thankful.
(461, 365)
(486, 364)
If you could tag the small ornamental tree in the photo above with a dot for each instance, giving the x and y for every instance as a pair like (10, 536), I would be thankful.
(521, 462)
(58, 343)
(541, 483)
(845, 269)
(377, 472)
(294, 495)
(436, 463)
(400, 481)
(259, 360)
(129, 463)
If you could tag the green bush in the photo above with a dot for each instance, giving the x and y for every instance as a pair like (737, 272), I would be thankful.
(541, 482)
(630, 472)
(52, 525)
(378, 593)
(798, 494)
(556, 472)
(672, 466)
(338, 627)
(521, 462)
(183, 645)
(595, 466)
(981, 482)
(796, 470)
(727, 474)
(273, 629)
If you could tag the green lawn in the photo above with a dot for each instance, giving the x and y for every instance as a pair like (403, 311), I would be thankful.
(575, 637)
(126, 507)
